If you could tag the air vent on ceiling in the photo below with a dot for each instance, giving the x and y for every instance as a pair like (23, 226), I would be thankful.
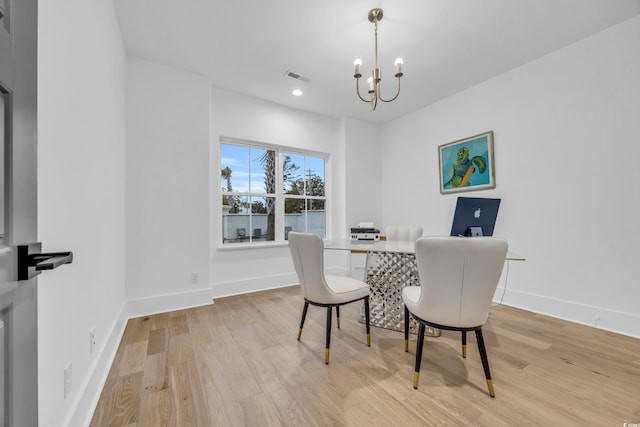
(297, 76)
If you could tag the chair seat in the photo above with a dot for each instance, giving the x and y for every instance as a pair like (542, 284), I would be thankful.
(440, 316)
(410, 297)
(344, 289)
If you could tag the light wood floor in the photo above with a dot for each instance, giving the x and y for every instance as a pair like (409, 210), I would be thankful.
(238, 363)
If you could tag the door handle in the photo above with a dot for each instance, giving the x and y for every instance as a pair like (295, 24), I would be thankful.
(50, 260)
(31, 261)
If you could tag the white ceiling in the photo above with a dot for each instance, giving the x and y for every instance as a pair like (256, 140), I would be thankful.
(447, 45)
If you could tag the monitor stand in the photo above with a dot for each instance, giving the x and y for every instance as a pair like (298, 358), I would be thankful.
(475, 231)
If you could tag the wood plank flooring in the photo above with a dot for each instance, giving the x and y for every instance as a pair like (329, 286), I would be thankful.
(238, 363)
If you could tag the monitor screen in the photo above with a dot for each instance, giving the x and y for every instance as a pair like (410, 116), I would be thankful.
(475, 216)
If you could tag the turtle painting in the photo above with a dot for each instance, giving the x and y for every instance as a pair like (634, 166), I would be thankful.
(463, 167)
(467, 164)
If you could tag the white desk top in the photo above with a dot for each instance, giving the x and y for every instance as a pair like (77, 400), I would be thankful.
(389, 246)
(380, 246)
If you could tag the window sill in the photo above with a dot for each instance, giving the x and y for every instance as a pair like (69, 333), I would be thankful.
(244, 246)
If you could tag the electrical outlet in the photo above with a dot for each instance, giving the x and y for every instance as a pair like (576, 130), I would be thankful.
(92, 340)
(67, 381)
(195, 277)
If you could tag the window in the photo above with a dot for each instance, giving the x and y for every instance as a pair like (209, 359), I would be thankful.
(254, 208)
(4, 14)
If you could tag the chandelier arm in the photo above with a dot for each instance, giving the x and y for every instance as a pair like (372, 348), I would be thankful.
(392, 99)
(358, 92)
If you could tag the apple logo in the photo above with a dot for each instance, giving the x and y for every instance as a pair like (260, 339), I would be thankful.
(476, 214)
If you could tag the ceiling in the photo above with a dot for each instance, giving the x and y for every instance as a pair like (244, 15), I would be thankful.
(247, 46)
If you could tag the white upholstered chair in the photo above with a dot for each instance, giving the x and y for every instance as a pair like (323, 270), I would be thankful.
(307, 251)
(404, 233)
(458, 278)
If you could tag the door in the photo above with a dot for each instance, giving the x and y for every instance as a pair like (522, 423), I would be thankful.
(18, 213)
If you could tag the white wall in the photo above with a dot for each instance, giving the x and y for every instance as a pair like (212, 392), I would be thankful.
(174, 123)
(235, 271)
(167, 194)
(363, 178)
(81, 176)
(566, 129)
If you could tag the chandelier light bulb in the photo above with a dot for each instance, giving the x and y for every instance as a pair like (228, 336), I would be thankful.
(357, 64)
(398, 63)
(370, 81)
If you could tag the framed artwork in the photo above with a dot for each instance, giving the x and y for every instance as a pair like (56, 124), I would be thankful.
(467, 164)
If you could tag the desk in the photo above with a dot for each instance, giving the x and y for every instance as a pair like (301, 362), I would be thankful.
(390, 266)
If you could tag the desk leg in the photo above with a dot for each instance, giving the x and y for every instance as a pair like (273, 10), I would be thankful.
(387, 273)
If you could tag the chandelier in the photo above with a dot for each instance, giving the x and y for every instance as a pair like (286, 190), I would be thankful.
(375, 16)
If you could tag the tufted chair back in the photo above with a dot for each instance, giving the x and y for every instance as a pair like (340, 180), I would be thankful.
(458, 276)
(404, 233)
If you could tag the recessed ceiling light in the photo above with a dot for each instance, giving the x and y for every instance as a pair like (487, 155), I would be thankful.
(297, 92)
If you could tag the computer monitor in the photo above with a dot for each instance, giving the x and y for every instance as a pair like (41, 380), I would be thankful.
(475, 216)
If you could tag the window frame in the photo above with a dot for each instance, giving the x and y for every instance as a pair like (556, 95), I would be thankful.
(279, 195)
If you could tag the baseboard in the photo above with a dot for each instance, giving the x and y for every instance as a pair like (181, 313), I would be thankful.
(87, 399)
(597, 317)
(609, 320)
(164, 303)
(255, 284)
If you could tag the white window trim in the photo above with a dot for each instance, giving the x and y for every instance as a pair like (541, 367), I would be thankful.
(279, 195)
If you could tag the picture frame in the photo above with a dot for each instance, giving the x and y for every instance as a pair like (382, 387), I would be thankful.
(467, 164)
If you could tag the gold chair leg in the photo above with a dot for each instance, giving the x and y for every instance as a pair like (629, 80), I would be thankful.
(419, 347)
(304, 315)
(485, 361)
(490, 385)
(464, 344)
(369, 340)
(406, 346)
(326, 356)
